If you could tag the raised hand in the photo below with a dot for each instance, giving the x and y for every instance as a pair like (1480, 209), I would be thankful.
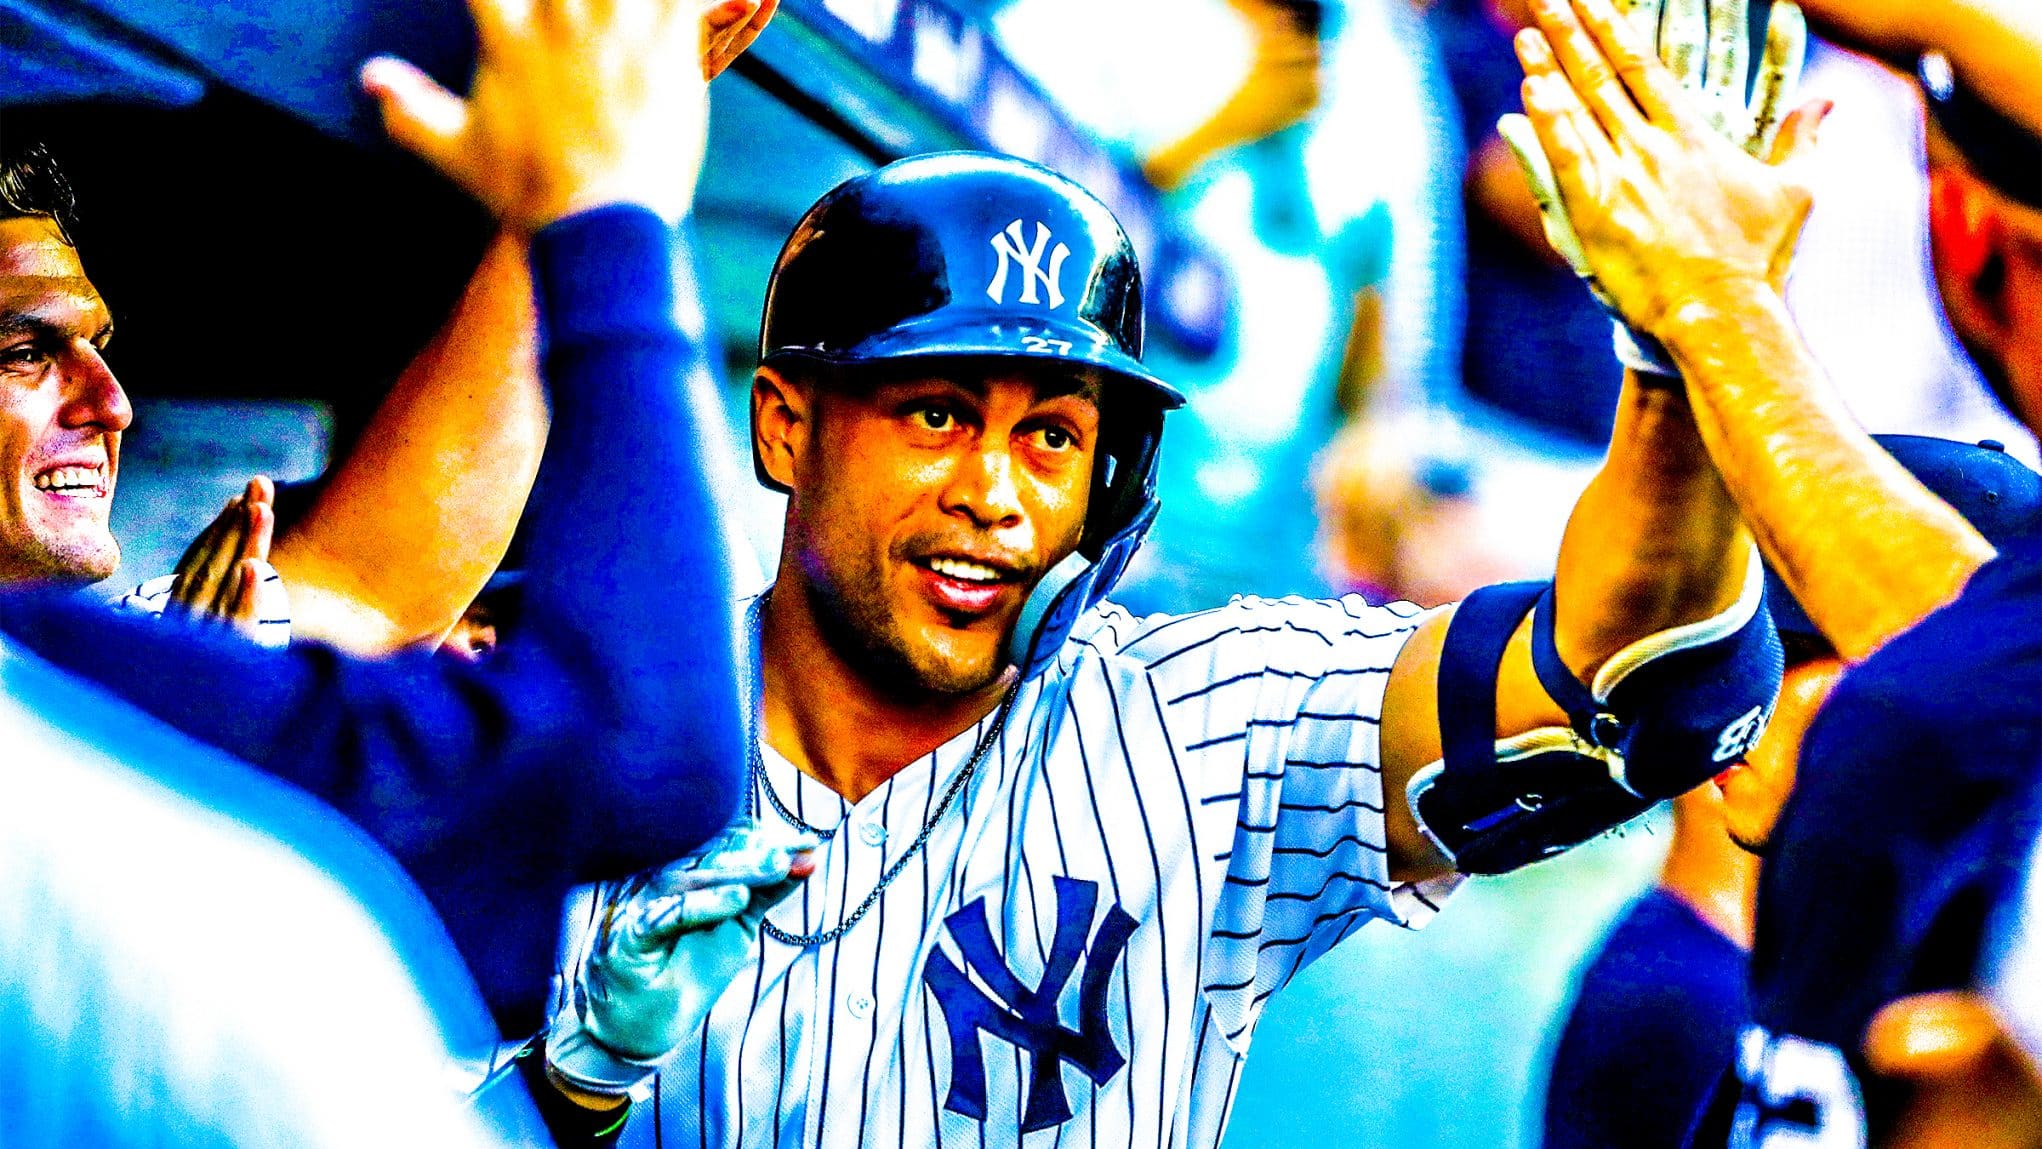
(575, 105)
(1705, 46)
(220, 575)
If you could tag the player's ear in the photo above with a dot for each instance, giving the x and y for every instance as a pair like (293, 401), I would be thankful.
(1969, 238)
(782, 420)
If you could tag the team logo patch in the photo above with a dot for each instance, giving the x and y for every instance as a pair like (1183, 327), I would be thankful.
(996, 1003)
(1013, 249)
(1740, 736)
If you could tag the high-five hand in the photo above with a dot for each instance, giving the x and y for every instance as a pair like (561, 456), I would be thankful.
(574, 106)
(1663, 203)
(1705, 44)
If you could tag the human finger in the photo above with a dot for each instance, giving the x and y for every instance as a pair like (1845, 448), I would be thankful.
(1647, 80)
(1566, 134)
(1683, 36)
(726, 32)
(1552, 90)
(420, 116)
(1523, 141)
(1799, 134)
(694, 910)
(262, 525)
(1592, 76)
(205, 563)
(238, 608)
(1729, 56)
(1644, 16)
(1779, 74)
(252, 541)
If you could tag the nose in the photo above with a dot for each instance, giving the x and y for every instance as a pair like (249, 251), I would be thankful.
(92, 396)
(983, 488)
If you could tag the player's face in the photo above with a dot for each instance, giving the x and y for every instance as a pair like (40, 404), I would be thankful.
(61, 412)
(927, 508)
(1756, 788)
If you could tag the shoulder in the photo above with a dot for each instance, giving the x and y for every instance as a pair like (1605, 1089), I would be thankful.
(1974, 667)
(149, 597)
(1258, 629)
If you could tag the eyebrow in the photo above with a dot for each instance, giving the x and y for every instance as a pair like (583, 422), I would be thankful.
(18, 323)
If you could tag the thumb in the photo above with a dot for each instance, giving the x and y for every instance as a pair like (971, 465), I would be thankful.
(1799, 133)
(420, 115)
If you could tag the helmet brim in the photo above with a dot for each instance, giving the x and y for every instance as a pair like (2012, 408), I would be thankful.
(1045, 341)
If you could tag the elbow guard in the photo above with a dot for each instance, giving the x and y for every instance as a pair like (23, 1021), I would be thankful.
(1664, 715)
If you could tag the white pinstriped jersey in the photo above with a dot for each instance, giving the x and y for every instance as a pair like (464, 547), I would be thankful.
(272, 604)
(1176, 819)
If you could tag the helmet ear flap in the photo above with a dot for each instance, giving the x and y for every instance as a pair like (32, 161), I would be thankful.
(1123, 468)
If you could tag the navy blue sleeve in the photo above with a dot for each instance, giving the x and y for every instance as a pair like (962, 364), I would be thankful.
(606, 735)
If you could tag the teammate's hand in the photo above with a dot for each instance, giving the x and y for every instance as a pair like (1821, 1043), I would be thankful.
(1705, 44)
(575, 105)
(728, 28)
(220, 574)
(667, 946)
(1662, 204)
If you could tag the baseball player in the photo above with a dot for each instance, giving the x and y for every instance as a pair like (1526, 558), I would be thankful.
(1066, 855)
(1911, 800)
(594, 746)
(1661, 1004)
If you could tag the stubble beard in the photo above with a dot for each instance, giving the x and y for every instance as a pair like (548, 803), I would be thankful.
(854, 620)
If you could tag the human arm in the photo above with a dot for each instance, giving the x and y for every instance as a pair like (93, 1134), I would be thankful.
(604, 738)
(1993, 44)
(1653, 543)
(411, 524)
(1690, 237)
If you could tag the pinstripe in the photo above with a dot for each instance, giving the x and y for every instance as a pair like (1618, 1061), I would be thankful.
(1259, 728)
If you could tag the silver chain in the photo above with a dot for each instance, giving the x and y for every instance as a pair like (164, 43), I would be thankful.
(763, 784)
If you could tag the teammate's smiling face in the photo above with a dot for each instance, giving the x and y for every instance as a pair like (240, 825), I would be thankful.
(1755, 789)
(926, 507)
(61, 412)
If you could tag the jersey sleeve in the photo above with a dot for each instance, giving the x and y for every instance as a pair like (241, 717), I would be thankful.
(272, 604)
(1274, 709)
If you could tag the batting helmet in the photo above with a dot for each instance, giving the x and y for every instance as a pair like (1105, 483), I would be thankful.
(970, 256)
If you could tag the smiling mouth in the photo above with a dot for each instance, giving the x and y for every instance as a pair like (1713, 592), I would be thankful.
(964, 589)
(73, 482)
(964, 570)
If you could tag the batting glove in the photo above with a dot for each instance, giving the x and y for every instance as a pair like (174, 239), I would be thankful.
(1707, 45)
(664, 949)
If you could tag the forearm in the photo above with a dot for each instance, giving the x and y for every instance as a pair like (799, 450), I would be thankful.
(1992, 43)
(1866, 549)
(1654, 541)
(413, 522)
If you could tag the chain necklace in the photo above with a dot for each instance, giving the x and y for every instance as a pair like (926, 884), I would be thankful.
(762, 784)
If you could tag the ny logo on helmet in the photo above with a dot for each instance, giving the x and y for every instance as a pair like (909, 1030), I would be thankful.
(1014, 249)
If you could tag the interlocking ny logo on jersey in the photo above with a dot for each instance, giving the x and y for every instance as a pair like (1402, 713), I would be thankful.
(1027, 1018)
(1014, 249)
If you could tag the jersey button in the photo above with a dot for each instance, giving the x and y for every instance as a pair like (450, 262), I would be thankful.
(871, 833)
(860, 1005)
